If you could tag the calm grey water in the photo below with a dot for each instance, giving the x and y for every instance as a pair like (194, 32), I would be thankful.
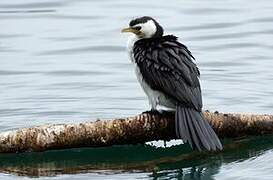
(64, 61)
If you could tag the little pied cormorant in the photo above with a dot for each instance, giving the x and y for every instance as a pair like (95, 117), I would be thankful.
(168, 75)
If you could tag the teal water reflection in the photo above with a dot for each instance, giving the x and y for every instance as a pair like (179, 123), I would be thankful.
(173, 162)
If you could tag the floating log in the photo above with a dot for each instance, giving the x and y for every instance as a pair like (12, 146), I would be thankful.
(133, 130)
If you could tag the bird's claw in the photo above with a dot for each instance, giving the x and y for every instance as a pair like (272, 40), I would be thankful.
(159, 112)
(152, 111)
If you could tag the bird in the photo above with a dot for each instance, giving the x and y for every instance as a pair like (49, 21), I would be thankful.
(166, 70)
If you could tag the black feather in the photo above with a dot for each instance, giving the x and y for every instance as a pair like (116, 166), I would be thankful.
(193, 128)
(178, 70)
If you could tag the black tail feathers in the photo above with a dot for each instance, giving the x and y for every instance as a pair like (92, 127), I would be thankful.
(192, 127)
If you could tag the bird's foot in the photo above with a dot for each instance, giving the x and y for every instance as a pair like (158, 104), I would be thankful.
(153, 111)
(160, 112)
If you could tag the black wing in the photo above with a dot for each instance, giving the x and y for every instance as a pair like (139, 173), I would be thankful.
(167, 66)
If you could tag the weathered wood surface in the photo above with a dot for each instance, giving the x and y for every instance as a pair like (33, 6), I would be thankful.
(139, 129)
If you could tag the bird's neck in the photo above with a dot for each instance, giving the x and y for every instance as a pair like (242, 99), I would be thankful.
(130, 46)
(131, 41)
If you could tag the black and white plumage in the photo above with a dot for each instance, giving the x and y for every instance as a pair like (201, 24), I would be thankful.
(168, 75)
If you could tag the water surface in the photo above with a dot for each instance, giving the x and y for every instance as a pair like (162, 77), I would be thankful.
(64, 61)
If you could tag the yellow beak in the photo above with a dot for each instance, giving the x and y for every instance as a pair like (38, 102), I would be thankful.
(131, 30)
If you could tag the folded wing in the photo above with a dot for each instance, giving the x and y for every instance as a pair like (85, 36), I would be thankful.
(167, 66)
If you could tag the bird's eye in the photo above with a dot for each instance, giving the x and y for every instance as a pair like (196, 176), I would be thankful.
(137, 28)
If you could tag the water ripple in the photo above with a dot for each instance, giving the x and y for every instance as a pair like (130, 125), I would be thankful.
(14, 72)
(86, 49)
(252, 169)
(74, 73)
(33, 5)
(27, 11)
(7, 36)
(238, 45)
(76, 17)
(218, 25)
(231, 35)
(207, 11)
(262, 20)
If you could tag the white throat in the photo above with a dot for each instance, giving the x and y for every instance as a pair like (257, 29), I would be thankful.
(130, 44)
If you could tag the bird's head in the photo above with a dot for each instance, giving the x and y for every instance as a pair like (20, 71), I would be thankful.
(144, 27)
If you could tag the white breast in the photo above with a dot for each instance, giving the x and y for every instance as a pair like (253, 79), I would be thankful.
(155, 97)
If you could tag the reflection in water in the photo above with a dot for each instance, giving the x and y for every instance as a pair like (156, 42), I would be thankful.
(252, 168)
(172, 162)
